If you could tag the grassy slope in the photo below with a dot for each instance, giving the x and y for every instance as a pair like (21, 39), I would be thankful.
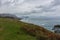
(16, 30)
(10, 30)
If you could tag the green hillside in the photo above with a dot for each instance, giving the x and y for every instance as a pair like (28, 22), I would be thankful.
(12, 29)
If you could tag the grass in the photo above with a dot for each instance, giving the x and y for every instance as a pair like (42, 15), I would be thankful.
(10, 30)
(13, 29)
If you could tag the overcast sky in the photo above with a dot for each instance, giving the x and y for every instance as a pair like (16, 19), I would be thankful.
(31, 7)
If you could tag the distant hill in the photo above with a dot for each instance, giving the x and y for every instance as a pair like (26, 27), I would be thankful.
(11, 29)
(44, 18)
(12, 16)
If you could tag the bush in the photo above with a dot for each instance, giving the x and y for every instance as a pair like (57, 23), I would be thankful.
(39, 32)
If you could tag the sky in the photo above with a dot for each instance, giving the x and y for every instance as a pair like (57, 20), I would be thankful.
(49, 8)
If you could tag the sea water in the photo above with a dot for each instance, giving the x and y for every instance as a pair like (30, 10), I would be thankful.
(48, 24)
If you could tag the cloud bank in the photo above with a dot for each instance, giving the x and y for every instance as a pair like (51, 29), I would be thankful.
(31, 7)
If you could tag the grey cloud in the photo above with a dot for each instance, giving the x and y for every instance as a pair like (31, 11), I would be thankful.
(49, 8)
(52, 9)
(56, 2)
(10, 2)
(29, 7)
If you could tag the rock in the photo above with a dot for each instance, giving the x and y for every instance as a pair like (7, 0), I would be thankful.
(56, 29)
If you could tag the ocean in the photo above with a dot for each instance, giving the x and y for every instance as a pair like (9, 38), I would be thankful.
(48, 24)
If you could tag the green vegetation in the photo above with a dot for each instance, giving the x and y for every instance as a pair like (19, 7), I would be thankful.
(12, 29)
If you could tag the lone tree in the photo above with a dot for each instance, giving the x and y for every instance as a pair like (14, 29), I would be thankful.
(56, 29)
